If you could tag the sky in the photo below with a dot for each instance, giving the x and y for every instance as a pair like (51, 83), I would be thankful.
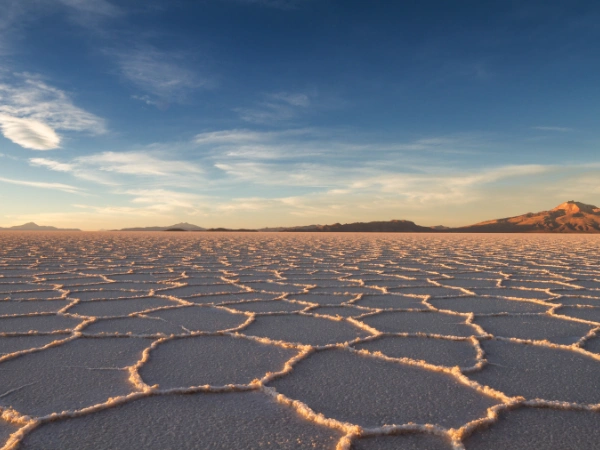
(253, 113)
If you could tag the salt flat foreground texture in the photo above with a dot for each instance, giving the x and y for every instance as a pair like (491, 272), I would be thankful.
(292, 341)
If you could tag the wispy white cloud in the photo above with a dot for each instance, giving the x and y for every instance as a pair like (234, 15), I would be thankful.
(43, 185)
(137, 163)
(29, 133)
(559, 129)
(115, 168)
(31, 111)
(276, 107)
(163, 76)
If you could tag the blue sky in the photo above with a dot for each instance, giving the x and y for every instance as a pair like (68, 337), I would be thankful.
(249, 113)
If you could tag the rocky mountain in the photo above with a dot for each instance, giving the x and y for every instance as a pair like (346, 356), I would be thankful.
(392, 226)
(30, 226)
(568, 217)
(184, 226)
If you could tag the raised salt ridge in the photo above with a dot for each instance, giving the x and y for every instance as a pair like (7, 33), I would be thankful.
(286, 341)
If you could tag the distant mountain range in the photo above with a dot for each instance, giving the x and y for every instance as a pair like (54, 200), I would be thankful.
(392, 226)
(35, 227)
(184, 226)
(568, 217)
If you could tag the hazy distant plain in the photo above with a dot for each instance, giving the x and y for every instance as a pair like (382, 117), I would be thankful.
(298, 341)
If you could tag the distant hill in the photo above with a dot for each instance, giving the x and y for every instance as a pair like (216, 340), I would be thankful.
(30, 226)
(392, 226)
(568, 217)
(177, 227)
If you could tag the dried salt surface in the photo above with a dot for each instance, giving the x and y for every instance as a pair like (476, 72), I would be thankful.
(108, 308)
(390, 302)
(323, 299)
(587, 314)
(440, 352)
(32, 295)
(593, 345)
(429, 322)
(305, 330)
(527, 294)
(266, 306)
(487, 305)
(6, 429)
(228, 298)
(197, 318)
(539, 429)
(40, 323)
(212, 360)
(407, 441)
(133, 326)
(12, 344)
(31, 306)
(540, 372)
(535, 327)
(244, 420)
(340, 311)
(483, 313)
(372, 392)
(70, 376)
(102, 294)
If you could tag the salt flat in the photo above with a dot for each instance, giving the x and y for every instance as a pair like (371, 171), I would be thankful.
(299, 341)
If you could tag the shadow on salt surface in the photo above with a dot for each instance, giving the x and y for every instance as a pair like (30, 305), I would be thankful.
(9, 307)
(536, 371)
(410, 441)
(213, 360)
(121, 307)
(593, 345)
(539, 429)
(535, 327)
(440, 352)
(201, 318)
(306, 330)
(395, 301)
(42, 323)
(11, 344)
(267, 306)
(591, 314)
(371, 392)
(430, 322)
(71, 376)
(243, 420)
(487, 305)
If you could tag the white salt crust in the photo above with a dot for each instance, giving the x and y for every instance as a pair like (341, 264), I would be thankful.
(277, 305)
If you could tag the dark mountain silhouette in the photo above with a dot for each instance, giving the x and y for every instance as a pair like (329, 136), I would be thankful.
(30, 226)
(177, 227)
(392, 226)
